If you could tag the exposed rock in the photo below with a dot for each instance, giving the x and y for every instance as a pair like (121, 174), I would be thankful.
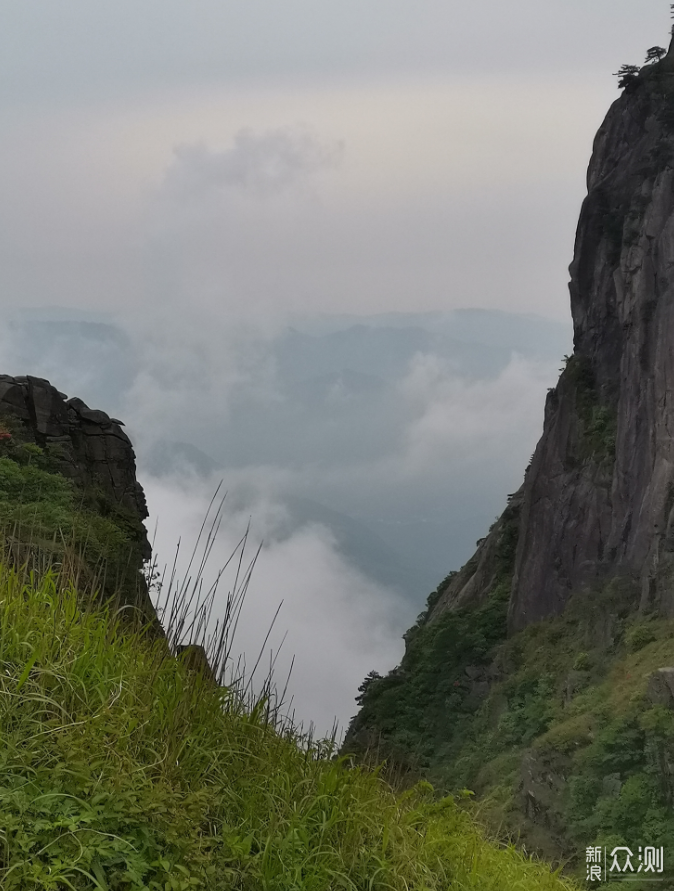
(576, 680)
(611, 785)
(474, 672)
(473, 584)
(590, 532)
(93, 450)
(541, 786)
(598, 498)
(660, 688)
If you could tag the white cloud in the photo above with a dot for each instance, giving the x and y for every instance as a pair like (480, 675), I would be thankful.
(472, 422)
(339, 625)
(257, 211)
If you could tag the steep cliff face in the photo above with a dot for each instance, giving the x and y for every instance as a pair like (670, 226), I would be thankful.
(598, 497)
(565, 727)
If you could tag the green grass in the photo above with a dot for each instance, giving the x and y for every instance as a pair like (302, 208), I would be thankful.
(568, 705)
(120, 768)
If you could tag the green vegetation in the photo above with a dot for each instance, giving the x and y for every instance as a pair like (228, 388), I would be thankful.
(627, 76)
(564, 749)
(421, 713)
(42, 512)
(124, 767)
(121, 768)
(424, 706)
(655, 53)
(597, 419)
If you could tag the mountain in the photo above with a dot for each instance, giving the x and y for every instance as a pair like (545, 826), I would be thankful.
(362, 547)
(538, 673)
(347, 410)
(523, 332)
(169, 457)
(479, 343)
(598, 498)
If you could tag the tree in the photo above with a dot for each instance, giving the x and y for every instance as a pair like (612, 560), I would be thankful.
(627, 75)
(364, 688)
(655, 53)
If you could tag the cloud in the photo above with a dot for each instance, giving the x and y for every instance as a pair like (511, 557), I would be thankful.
(337, 624)
(226, 229)
(472, 421)
(52, 53)
(193, 366)
(204, 247)
(463, 445)
(440, 454)
(255, 211)
(260, 164)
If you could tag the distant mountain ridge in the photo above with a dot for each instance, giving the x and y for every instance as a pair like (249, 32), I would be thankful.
(333, 397)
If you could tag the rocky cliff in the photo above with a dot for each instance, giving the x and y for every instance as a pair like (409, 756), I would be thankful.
(93, 450)
(539, 674)
(598, 497)
(97, 510)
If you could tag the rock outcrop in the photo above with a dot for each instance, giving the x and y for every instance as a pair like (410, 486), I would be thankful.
(587, 542)
(598, 497)
(92, 449)
(100, 535)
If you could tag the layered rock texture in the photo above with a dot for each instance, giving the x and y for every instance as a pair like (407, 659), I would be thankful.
(598, 497)
(96, 517)
(93, 450)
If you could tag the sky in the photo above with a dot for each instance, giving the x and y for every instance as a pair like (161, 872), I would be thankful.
(198, 171)
(359, 156)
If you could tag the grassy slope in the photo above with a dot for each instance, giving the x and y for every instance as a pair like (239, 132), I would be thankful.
(565, 749)
(122, 769)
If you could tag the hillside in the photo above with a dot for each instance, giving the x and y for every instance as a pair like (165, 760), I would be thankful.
(124, 766)
(538, 675)
(124, 769)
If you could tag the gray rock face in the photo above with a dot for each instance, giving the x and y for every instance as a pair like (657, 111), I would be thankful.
(598, 498)
(492, 561)
(94, 450)
(660, 689)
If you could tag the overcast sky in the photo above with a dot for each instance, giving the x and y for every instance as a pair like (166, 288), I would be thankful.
(355, 156)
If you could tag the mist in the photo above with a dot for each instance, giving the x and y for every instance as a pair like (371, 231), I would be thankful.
(366, 459)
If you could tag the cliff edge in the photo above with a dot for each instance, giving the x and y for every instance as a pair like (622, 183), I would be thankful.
(598, 497)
